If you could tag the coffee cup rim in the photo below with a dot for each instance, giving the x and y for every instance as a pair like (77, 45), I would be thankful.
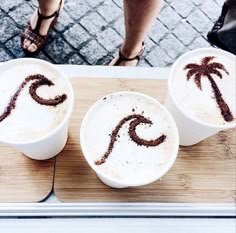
(69, 110)
(171, 92)
(170, 162)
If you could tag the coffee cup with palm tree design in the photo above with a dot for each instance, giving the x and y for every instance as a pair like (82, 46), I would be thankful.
(201, 94)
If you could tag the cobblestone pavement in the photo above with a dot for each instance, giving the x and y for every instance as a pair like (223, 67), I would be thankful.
(91, 31)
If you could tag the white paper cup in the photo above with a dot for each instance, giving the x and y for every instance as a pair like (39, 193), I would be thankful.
(50, 145)
(191, 130)
(107, 178)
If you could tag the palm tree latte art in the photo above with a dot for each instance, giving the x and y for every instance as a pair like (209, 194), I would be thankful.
(206, 69)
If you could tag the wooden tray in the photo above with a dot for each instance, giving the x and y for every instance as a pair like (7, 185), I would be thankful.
(23, 179)
(202, 173)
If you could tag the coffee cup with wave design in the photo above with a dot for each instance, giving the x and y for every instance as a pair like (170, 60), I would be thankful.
(129, 139)
(36, 102)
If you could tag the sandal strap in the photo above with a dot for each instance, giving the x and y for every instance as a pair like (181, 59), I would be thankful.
(124, 58)
(49, 16)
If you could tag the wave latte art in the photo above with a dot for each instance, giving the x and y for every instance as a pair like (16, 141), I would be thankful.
(38, 81)
(135, 120)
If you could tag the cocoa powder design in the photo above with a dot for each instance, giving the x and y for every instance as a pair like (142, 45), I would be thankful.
(206, 69)
(39, 80)
(135, 120)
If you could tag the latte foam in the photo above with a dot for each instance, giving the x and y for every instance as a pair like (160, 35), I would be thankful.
(198, 96)
(129, 137)
(35, 98)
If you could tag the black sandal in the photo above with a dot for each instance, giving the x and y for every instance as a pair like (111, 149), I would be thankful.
(33, 34)
(124, 58)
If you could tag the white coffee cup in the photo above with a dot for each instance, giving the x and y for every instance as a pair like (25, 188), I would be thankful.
(49, 145)
(191, 129)
(94, 140)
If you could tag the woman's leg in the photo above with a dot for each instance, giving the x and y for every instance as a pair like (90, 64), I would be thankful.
(139, 17)
(46, 8)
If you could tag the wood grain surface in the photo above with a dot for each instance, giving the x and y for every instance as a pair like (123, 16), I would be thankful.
(202, 173)
(23, 179)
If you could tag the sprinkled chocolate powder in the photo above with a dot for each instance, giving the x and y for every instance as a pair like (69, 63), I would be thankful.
(206, 69)
(41, 80)
(137, 119)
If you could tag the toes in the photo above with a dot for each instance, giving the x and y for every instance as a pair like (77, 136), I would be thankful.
(26, 43)
(32, 47)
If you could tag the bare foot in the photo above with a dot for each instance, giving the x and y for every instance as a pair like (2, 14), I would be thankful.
(45, 25)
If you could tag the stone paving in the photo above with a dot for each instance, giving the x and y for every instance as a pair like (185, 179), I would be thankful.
(91, 31)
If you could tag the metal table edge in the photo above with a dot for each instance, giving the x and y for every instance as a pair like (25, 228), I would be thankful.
(117, 209)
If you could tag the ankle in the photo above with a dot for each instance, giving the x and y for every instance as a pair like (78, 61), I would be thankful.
(130, 51)
(48, 10)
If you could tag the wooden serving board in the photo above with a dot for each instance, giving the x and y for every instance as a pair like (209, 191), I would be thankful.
(23, 179)
(202, 173)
